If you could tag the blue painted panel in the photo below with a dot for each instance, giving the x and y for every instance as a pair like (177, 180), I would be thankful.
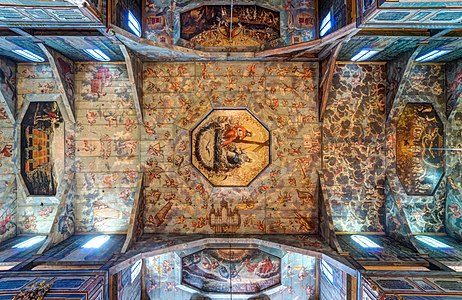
(67, 283)
(13, 284)
(391, 16)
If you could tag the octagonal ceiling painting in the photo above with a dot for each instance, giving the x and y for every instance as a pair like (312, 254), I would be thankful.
(230, 147)
(237, 270)
(419, 149)
(42, 137)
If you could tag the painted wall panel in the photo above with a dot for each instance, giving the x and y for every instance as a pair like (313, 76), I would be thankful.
(353, 147)
(107, 148)
(425, 85)
(298, 20)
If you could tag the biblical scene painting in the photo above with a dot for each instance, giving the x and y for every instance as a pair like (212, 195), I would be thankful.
(231, 270)
(218, 26)
(40, 127)
(419, 149)
(230, 147)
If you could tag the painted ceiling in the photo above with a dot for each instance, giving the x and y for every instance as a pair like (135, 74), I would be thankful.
(224, 120)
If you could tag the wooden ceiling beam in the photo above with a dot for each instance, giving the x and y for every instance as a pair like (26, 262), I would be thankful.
(62, 80)
(314, 45)
(328, 232)
(402, 83)
(135, 221)
(397, 32)
(63, 214)
(326, 81)
(135, 76)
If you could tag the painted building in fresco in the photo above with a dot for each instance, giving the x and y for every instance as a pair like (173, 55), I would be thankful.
(186, 150)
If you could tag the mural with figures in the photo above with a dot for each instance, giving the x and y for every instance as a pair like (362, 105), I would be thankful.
(231, 271)
(419, 154)
(41, 130)
(106, 147)
(168, 276)
(36, 82)
(217, 26)
(230, 147)
(285, 23)
(425, 86)
(353, 147)
(177, 96)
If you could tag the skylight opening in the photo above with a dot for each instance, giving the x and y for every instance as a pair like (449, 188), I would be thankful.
(364, 54)
(328, 271)
(134, 24)
(29, 55)
(326, 24)
(96, 242)
(431, 55)
(30, 242)
(135, 270)
(432, 242)
(97, 54)
(364, 242)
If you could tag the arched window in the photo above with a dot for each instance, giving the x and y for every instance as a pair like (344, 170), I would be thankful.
(327, 271)
(30, 242)
(96, 242)
(29, 55)
(97, 54)
(134, 24)
(432, 242)
(135, 270)
(326, 24)
(364, 242)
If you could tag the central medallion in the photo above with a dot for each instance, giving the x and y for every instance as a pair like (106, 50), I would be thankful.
(230, 147)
